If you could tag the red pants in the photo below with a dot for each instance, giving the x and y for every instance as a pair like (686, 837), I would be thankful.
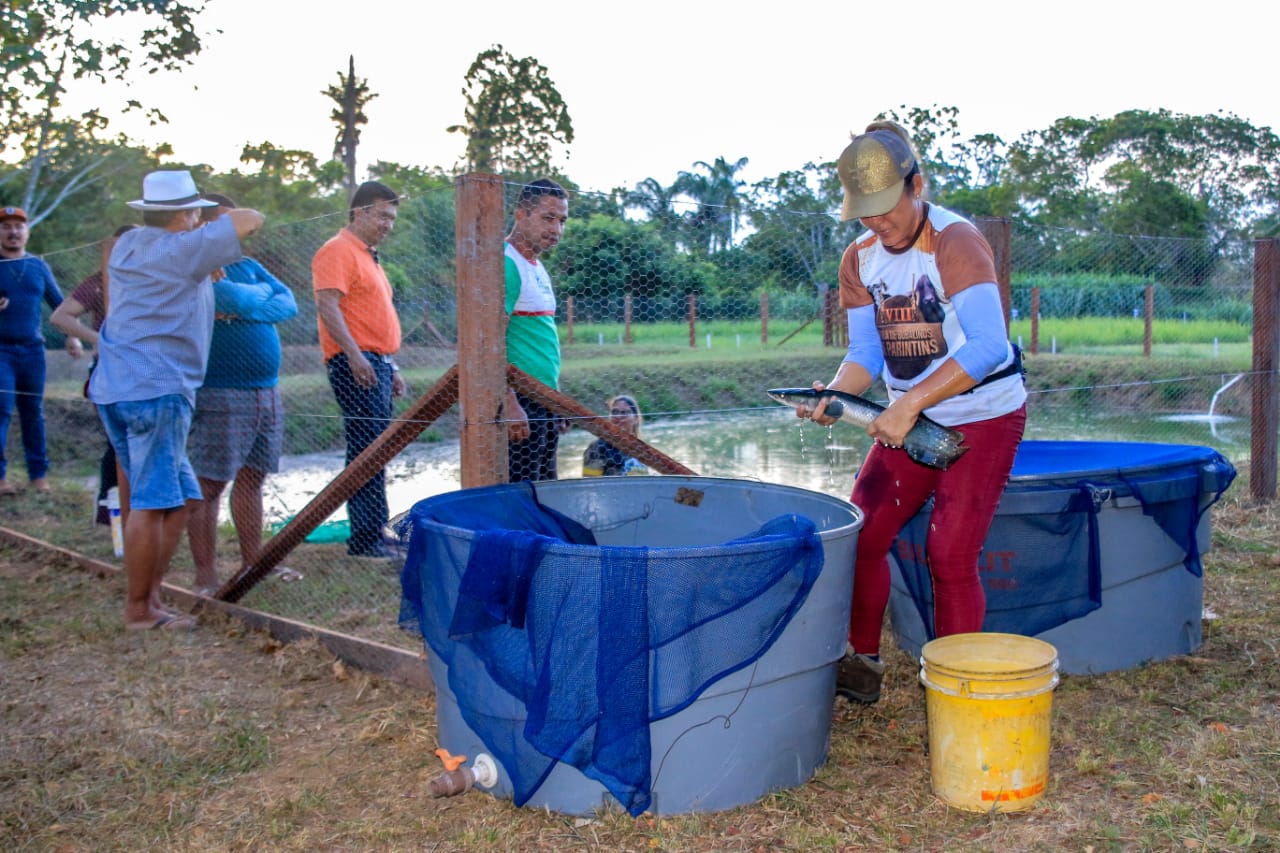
(891, 488)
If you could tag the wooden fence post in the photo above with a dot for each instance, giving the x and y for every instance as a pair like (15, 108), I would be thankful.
(1148, 313)
(693, 321)
(996, 230)
(438, 399)
(764, 318)
(1265, 409)
(626, 318)
(482, 329)
(568, 318)
(839, 322)
(824, 309)
(1035, 319)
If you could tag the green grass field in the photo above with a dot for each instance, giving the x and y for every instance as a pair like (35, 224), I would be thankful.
(1072, 332)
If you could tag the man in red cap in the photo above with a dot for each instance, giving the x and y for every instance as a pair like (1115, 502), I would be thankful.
(25, 282)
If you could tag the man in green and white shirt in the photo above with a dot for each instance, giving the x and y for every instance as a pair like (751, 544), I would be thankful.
(532, 342)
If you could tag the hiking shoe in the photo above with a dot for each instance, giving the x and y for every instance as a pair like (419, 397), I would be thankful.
(859, 678)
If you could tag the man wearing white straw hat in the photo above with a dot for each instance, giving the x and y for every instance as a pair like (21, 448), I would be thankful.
(153, 348)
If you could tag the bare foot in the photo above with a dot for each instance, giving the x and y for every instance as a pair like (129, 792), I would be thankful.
(40, 484)
(7, 489)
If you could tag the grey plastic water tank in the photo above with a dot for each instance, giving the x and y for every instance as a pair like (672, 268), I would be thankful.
(1151, 603)
(760, 729)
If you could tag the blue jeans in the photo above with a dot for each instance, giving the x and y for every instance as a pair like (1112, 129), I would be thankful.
(366, 413)
(22, 379)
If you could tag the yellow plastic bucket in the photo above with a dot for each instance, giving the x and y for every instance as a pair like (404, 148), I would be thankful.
(989, 698)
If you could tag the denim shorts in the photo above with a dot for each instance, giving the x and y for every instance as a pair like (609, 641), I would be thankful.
(150, 440)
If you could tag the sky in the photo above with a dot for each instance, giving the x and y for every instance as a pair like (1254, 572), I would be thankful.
(653, 87)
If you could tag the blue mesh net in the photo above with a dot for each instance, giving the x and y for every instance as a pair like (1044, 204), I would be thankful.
(1058, 573)
(561, 650)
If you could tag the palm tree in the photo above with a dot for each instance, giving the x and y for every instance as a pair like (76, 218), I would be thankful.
(657, 203)
(719, 202)
(351, 95)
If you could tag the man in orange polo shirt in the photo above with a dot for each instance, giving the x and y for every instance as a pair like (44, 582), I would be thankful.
(359, 336)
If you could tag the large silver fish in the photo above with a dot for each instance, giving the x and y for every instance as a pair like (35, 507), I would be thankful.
(928, 442)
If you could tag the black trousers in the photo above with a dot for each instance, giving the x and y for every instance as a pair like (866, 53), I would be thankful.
(366, 413)
(535, 457)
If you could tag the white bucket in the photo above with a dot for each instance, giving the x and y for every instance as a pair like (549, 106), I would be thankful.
(117, 531)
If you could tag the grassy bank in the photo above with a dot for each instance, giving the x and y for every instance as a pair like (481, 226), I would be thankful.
(1075, 332)
(225, 740)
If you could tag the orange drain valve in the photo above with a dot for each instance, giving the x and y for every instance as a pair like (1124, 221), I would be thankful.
(450, 762)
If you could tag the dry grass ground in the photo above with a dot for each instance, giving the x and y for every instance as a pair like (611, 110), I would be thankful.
(220, 739)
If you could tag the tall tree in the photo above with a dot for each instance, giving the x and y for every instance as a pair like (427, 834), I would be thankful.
(794, 226)
(1223, 172)
(351, 95)
(51, 44)
(657, 203)
(716, 189)
(514, 113)
(935, 132)
(602, 256)
(286, 184)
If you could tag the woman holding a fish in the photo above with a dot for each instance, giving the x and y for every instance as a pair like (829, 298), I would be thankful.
(924, 313)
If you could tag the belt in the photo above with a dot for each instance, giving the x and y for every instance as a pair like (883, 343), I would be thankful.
(1015, 366)
(385, 359)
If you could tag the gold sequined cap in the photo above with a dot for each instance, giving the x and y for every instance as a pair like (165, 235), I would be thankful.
(872, 169)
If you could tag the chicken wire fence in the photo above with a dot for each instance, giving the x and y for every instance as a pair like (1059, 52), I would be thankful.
(691, 314)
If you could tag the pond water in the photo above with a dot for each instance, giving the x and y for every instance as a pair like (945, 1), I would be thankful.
(767, 444)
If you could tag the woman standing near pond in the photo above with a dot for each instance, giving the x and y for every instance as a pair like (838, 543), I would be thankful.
(602, 459)
(924, 312)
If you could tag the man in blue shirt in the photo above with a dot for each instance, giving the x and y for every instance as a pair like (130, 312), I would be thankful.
(152, 351)
(238, 428)
(25, 282)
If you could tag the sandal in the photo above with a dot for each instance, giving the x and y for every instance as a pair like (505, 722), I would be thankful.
(168, 622)
(286, 574)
